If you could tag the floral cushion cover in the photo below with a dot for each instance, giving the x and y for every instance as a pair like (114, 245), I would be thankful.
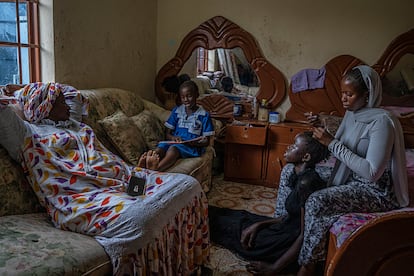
(32, 246)
(124, 136)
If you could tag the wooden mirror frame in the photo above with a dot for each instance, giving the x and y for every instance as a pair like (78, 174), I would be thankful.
(328, 99)
(219, 32)
(401, 45)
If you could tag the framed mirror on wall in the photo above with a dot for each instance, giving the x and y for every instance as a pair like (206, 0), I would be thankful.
(217, 48)
(208, 68)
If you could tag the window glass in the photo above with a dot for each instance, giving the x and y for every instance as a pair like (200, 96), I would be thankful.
(25, 65)
(23, 23)
(9, 66)
(8, 25)
(19, 42)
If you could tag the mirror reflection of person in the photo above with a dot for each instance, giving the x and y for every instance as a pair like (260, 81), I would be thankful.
(227, 85)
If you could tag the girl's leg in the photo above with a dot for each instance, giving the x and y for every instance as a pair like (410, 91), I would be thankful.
(161, 152)
(171, 156)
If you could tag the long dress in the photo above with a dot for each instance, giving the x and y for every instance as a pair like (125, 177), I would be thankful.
(226, 225)
(82, 184)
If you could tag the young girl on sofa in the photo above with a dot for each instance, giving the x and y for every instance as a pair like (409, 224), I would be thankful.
(189, 130)
(272, 244)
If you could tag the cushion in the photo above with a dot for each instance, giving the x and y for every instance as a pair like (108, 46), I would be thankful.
(151, 128)
(32, 246)
(124, 136)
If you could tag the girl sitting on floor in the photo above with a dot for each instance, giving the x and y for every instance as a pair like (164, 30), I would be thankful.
(271, 244)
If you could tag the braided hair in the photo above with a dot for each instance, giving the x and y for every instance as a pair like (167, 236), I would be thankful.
(355, 77)
(317, 150)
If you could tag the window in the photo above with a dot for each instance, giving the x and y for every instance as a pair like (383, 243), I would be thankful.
(19, 41)
(202, 60)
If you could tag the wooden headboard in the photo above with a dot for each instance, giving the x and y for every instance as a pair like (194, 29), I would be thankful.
(328, 99)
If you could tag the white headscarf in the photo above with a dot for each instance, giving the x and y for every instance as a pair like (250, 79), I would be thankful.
(367, 115)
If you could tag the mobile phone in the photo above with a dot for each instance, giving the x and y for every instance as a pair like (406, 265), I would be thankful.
(136, 186)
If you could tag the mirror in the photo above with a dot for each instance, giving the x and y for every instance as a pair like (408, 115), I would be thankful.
(395, 66)
(221, 71)
(220, 33)
(400, 80)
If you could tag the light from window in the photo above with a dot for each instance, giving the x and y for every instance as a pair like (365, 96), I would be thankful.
(19, 42)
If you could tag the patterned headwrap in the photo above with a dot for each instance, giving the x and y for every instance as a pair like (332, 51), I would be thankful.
(38, 99)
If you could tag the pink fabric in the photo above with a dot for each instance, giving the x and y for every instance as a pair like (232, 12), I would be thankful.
(399, 110)
(347, 224)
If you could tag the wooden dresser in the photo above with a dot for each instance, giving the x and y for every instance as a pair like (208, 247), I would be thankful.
(254, 154)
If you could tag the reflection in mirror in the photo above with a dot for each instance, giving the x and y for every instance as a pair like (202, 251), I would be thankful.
(221, 71)
(220, 33)
(400, 80)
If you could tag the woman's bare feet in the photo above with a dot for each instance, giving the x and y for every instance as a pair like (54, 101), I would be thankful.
(142, 162)
(152, 160)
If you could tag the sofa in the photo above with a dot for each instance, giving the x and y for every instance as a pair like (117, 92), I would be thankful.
(29, 243)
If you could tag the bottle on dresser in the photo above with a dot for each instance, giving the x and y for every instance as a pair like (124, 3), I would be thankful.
(255, 108)
(263, 113)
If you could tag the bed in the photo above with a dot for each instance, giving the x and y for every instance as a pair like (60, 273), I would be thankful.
(377, 243)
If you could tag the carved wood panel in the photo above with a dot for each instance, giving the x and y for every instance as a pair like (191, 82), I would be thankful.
(219, 32)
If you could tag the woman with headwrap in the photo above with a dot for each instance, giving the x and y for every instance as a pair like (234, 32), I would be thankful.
(370, 172)
(81, 183)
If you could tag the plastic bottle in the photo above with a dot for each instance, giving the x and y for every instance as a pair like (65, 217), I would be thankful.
(255, 108)
(274, 117)
(263, 114)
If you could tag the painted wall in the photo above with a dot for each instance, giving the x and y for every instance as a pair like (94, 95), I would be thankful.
(106, 43)
(295, 34)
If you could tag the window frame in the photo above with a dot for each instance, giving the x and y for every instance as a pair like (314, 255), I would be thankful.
(33, 41)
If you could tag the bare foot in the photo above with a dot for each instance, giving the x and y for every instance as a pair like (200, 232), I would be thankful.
(153, 160)
(142, 162)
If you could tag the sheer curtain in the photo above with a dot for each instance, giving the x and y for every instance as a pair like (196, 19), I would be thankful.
(228, 64)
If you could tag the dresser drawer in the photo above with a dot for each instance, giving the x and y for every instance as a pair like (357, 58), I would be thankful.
(255, 135)
(285, 133)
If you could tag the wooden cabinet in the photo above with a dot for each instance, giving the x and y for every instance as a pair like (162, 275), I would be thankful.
(279, 137)
(255, 154)
(243, 153)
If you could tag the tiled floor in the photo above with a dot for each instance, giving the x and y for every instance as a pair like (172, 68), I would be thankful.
(255, 199)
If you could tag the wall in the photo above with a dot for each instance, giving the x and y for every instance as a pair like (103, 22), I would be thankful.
(294, 34)
(105, 44)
